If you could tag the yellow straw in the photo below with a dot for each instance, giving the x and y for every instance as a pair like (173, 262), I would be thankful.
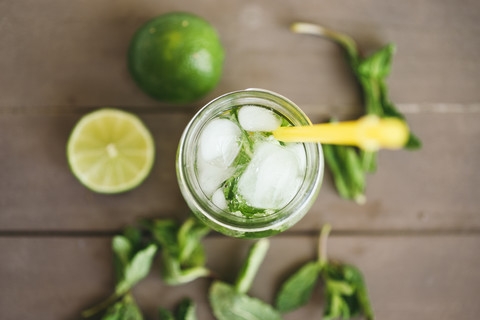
(369, 133)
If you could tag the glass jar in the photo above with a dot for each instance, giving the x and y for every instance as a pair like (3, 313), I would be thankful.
(238, 225)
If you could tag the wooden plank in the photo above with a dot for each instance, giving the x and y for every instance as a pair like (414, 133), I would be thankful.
(415, 277)
(39, 192)
(59, 54)
(431, 189)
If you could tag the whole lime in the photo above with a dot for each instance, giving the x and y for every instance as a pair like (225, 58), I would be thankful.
(176, 57)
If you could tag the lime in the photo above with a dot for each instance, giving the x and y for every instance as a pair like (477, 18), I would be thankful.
(110, 151)
(176, 57)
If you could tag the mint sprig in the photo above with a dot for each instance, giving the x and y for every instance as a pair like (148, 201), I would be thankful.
(231, 302)
(344, 287)
(132, 262)
(183, 260)
(349, 165)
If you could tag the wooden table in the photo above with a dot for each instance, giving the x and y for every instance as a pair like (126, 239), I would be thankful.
(417, 239)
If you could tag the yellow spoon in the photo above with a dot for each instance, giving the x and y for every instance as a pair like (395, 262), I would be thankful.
(368, 132)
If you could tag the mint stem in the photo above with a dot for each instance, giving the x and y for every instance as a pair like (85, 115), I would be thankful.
(99, 307)
(344, 40)
(251, 265)
(322, 244)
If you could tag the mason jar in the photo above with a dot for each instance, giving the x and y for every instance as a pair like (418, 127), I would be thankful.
(236, 224)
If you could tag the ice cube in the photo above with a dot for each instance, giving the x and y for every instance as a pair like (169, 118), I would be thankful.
(272, 178)
(254, 118)
(299, 150)
(219, 200)
(210, 176)
(219, 142)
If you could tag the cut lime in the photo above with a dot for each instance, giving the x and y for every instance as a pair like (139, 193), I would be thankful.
(110, 151)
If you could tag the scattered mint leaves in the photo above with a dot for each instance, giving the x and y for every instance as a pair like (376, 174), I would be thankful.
(183, 260)
(231, 302)
(183, 255)
(345, 290)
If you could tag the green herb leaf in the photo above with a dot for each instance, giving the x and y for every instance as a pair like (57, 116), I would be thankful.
(122, 250)
(251, 265)
(235, 201)
(174, 274)
(125, 309)
(336, 167)
(297, 289)
(186, 310)
(183, 255)
(229, 304)
(164, 232)
(345, 291)
(377, 65)
(355, 276)
(136, 269)
(189, 236)
(164, 314)
(347, 169)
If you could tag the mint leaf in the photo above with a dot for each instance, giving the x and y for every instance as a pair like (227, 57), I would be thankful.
(164, 232)
(347, 168)
(174, 274)
(297, 289)
(355, 276)
(251, 265)
(336, 167)
(136, 269)
(377, 65)
(235, 201)
(183, 255)
(132, 261)
(189, 236)
(186, 310)
(164, 314)
(122, 250)
(345, 292)
(125, 309)
(229, 304)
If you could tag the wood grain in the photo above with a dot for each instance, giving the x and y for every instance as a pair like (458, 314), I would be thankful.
(418, 277)
(74, 54)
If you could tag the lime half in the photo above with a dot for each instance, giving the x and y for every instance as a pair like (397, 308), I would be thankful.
(110, 151)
